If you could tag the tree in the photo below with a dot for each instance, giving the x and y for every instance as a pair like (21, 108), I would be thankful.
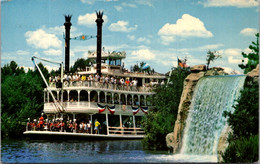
(80, 64)
(252, 57)
(141, 68)
(22, 97)
(211, 57)
(161, 118)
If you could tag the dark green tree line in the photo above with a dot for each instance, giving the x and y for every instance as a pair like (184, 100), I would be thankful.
(21, 97)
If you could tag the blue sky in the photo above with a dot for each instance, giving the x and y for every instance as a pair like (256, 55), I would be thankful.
(154, 31)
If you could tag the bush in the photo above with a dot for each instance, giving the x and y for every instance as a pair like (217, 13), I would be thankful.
(242, 150)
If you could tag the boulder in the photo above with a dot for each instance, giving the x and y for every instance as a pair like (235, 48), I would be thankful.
(254, 73)
(198, 68)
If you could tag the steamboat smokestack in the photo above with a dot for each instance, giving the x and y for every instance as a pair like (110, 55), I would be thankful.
(67, 25)
(99, 22)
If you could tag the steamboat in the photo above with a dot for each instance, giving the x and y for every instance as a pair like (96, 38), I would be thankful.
(105, 92)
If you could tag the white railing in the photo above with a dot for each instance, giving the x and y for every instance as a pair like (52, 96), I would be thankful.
(146, 88)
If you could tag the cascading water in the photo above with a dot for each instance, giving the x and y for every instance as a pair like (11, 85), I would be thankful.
(205, 121)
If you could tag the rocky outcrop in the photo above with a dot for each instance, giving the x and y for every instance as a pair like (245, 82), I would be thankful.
(223, 142)
(198, 68)
(215, 71)
(254, 73)
(174, 139)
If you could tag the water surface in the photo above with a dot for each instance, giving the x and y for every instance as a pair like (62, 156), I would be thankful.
(74, 151)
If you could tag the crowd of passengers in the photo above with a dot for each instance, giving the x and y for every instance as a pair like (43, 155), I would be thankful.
(101, 79)
(58, 125)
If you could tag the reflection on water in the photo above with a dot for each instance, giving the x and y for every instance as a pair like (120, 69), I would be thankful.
(39, 151)
(119, 151)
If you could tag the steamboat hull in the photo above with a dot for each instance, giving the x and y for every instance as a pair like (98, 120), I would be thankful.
(47, 135)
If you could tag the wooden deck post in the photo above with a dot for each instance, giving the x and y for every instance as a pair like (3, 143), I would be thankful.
(44, 98)
(134, 124)
(120, 117)
(91, 126)
(107, 124)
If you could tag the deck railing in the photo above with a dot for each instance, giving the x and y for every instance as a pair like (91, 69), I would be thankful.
(145, 88)
(125, 130)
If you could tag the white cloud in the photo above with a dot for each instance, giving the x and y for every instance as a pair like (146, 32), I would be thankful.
(26, 69)
(233, 3)
(202, 48)
(145, 2)
(234, 60)
(22, 52)
(90, 2)
(143, 40)
(118, 8)
(131, 37)
(233, 55)
(248, 31)
(129, 5)
(53, 52)
(89, 19)
(50, 68)
(187, 26)
(144, 54)
(121, 26)
(42, 39)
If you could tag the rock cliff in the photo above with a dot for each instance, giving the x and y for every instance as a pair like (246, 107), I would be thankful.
(173, 140)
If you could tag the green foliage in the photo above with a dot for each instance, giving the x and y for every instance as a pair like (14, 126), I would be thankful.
(21, 98)
(243, 143)
(211, 57)
(243, 150)
(137, 68)
(80, 64)
(11, 69)
(253, 57)
(160, 120)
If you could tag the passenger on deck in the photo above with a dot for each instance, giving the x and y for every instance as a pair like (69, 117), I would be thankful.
(70, 126)
(81, 127)
(28, 126)
(51, 125)
(34, 125)
(85, 127)
(96, 126)
(75, 126)
(41, 122)
(89, 127)
(62, 125)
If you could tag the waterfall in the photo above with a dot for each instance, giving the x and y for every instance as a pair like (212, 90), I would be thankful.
(205, 121)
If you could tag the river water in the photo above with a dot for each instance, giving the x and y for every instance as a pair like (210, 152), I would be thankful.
(74, 151)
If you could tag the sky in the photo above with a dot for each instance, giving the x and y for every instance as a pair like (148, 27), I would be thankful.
(154, 31)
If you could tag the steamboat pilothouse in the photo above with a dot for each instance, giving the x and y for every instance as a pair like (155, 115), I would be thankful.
(104, 91)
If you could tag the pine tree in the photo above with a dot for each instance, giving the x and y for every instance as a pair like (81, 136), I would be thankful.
(253, 57)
